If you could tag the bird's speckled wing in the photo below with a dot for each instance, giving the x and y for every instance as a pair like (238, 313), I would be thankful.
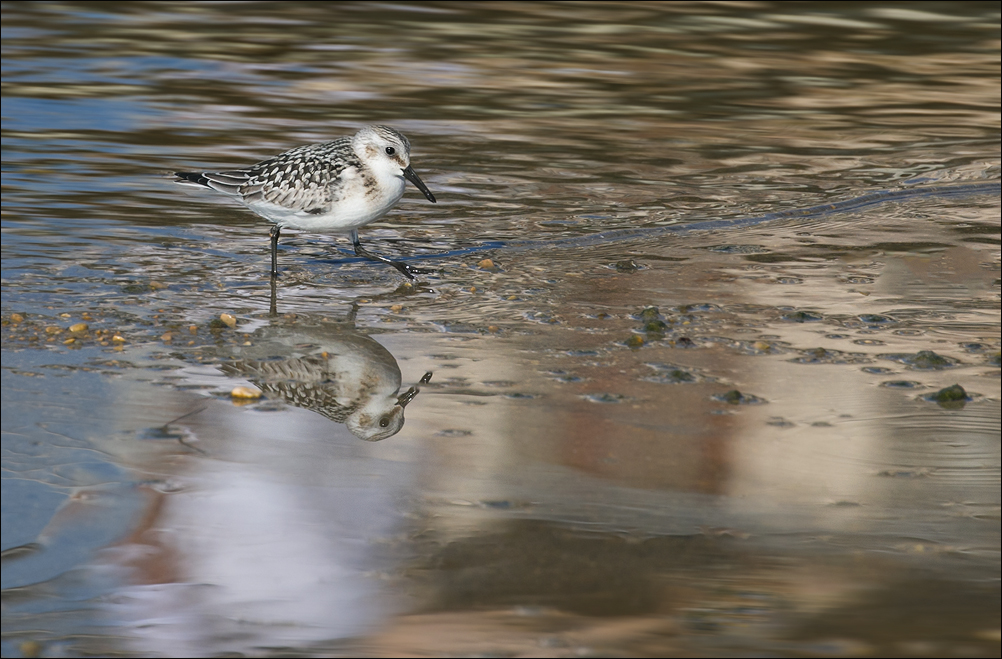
(300, 179)
(303, 382)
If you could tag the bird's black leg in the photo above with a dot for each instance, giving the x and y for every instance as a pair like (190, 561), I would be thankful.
(273, 307)
(406, 270)
(276, 231)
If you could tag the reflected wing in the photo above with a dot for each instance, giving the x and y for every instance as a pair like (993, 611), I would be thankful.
(304, 382)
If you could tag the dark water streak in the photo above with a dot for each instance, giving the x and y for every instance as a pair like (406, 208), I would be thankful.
(992, 188)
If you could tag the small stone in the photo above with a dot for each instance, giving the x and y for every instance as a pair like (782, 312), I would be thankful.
(65, 315)
(655, 326)
(118, 338)
(628, 265)
(193, 329)
(16, 318)
(228, 320)
(488, 264)
(635, 341)
(69, 341)
(803, 317)
(733, 397)
(79, 327)
(158, 285)
(952, 398)
(53, 329)
(650, 313)
(245, 393)
(30, 649)
(951, 393)
(166, 337)
(761, 346)
(930, 360)
(397, 308)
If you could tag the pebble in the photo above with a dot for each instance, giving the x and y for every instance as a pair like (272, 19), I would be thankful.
(245, 392)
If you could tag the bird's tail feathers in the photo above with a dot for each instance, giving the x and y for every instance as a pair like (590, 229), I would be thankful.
(225, 182)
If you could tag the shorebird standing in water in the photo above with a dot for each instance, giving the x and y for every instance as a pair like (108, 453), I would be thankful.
(327, 187)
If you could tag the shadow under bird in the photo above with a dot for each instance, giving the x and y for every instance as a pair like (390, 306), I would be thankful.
(341, 374)
(327, 187)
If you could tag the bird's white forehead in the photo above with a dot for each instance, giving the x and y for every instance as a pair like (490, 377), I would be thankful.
(382, 134)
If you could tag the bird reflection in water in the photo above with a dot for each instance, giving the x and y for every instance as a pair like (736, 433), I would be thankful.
(330, 368)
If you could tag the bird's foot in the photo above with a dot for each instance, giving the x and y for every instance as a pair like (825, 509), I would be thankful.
(409, 271)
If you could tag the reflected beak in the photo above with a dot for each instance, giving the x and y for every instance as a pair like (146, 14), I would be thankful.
(409, 395)
(412, 176)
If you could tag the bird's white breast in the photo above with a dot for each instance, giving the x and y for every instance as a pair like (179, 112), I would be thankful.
(358, 198)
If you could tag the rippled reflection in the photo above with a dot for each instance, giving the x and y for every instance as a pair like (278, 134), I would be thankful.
(329, 369)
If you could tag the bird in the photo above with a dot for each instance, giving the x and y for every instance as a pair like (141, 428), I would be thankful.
(334, 186)
(323, 367)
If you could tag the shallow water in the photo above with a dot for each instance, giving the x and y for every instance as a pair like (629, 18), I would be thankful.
(670, 413)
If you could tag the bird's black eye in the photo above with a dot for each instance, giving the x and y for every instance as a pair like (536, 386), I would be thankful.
(385, 421)
(390, 150)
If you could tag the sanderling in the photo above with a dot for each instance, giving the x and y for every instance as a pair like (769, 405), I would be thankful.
(327, 187)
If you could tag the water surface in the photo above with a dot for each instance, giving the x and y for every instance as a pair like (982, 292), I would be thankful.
(671, 410)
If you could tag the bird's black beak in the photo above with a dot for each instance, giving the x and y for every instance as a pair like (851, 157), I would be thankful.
(409, 395)
(412, 176)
